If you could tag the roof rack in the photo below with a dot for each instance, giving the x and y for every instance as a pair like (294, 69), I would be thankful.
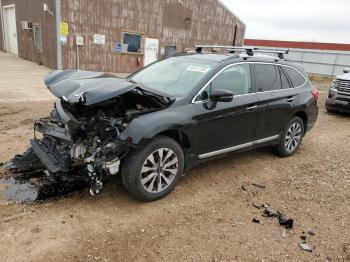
(248, 50)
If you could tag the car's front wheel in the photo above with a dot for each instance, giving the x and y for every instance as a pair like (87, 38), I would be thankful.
(152, 172)
(291, 137)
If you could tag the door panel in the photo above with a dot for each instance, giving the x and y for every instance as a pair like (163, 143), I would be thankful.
(278, 107)
(151, 50)
(229, 124)
(277, 98)
(11, 45)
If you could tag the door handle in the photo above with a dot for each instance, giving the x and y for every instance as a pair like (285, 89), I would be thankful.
(291, 99)
(252, 108)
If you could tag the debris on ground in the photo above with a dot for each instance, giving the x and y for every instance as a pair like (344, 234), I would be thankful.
(238, 221)
(282, 219)
(258, 185)
(306, 247)
(311, 232)
(303, 237)
(256, 220)
(285, 221)
(243, 188)
(268, 212)
(257, 206)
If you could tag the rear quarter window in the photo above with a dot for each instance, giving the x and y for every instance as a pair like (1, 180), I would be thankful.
(295, 77)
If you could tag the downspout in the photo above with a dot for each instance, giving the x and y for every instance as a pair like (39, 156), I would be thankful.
(2, 26)
(58, 42)
(235, 35)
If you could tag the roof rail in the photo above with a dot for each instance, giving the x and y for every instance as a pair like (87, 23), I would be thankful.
(248, 50)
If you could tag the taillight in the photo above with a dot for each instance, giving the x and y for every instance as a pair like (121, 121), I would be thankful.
(315, 93)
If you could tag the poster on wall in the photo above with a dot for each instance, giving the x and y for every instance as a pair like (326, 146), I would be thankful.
(99, 39)
(64, 28)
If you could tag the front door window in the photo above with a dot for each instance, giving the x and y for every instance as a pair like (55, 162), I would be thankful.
(236, 79)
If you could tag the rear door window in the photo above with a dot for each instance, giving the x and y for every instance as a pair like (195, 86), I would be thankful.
(295, 77)
(267, 77)
(284, 79)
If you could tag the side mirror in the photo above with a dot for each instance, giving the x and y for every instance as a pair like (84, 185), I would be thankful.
(346, 70)
(221, 95)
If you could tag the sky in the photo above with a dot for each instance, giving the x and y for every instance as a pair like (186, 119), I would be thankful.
(295, 20)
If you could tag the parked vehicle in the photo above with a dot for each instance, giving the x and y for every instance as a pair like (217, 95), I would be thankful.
(162, 120)
(339, 94)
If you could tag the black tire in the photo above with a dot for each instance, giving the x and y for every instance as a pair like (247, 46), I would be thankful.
(331, 111)
(282, 149)
(136, 160)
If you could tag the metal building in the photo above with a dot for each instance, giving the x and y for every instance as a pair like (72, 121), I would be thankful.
(327, 59)
(112, 35)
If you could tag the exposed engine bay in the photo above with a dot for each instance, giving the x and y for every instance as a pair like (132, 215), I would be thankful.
(80, 140)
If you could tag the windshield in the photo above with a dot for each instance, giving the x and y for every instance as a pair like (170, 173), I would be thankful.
(175, 76)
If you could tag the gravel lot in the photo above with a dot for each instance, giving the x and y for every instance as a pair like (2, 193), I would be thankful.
(209, 215)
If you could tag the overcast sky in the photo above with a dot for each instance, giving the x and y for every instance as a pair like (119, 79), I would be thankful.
(298, 20)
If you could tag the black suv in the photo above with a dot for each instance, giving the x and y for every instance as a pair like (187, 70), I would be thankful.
(169, 116)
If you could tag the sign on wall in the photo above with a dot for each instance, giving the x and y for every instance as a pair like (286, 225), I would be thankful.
(79, 40)
(64, 28)
(99, 39)
(118, 47)
(63, 40)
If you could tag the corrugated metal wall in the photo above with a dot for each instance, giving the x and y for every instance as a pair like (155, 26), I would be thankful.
(210, 23)
(321, 62)
(32, 10)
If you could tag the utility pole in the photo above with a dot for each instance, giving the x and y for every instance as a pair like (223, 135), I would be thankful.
(58, 42)
(2, 27)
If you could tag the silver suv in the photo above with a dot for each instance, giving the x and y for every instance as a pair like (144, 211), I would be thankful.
(339, 94)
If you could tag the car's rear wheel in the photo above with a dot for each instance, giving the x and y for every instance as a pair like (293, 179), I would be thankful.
(152, 172)
(291, 139)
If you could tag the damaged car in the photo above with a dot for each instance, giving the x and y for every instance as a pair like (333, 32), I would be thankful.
(160, 121)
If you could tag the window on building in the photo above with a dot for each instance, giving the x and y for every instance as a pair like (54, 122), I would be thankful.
(169, 50)
(295, 77)
(37, 37)
(133, 42)
(267, 78)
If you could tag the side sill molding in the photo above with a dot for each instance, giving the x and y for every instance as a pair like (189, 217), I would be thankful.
(238, 147)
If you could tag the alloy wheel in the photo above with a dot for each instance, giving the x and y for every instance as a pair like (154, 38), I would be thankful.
(293, 137)
(159, 170)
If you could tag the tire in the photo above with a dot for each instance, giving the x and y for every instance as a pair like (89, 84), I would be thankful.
(291, 138)
(331, 111)
(162, 160)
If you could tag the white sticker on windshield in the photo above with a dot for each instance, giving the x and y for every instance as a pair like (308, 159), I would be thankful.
(200, 69)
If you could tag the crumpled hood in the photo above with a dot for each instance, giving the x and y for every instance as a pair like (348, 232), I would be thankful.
(85, 87)
(344, 76)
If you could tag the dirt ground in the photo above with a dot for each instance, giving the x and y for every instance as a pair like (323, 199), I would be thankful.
(209, 215)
